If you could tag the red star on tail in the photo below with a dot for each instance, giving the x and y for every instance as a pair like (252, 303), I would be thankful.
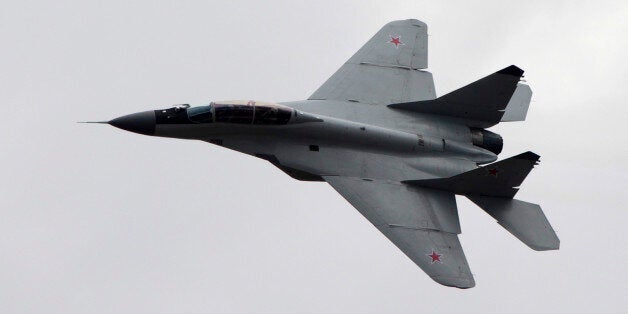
(435, 257)
(396, 40)
(493, 172)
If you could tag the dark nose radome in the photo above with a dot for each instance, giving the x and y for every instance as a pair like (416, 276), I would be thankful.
(141, 122)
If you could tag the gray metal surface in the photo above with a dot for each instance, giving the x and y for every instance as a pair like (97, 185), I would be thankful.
(385, 70)
(410, 122)
(517, 108)
(524, 220)
(419, 221)
(400, 167)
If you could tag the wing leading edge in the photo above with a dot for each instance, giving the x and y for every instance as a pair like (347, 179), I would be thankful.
(422, 222)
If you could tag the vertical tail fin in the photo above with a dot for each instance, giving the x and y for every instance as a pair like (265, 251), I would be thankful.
(500, 179)
(483, 103)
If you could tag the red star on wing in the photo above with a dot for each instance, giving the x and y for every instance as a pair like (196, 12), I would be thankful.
(396, 40)
(493, 172)
(435, 257)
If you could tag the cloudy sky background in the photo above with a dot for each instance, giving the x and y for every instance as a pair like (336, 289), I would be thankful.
(97, 220)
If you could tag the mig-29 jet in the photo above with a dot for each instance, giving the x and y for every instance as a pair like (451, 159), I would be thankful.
(377, 133)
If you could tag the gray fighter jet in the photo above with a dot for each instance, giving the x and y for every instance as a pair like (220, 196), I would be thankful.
(377, 133)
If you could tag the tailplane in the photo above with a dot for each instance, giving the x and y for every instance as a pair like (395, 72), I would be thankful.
(496, 98)
(524, 220)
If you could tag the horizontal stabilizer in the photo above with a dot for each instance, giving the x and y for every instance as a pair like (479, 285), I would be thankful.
(482, 103)
(525, 221)
(500, 179)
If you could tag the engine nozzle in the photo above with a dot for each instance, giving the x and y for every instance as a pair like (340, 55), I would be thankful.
(488, 140)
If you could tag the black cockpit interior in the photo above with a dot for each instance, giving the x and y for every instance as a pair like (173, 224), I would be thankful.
(229, 112)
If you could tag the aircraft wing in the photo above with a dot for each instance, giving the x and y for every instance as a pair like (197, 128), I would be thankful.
(385, 70)
(422, 222)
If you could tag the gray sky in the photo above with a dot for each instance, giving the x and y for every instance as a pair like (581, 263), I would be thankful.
(97, 220)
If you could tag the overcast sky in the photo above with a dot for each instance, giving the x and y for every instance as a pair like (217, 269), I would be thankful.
(97, 220)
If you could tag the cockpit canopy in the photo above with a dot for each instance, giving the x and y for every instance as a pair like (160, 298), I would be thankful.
(241, 112)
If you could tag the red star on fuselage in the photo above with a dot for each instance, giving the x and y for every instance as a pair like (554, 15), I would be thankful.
(396, 40)
(435, 257)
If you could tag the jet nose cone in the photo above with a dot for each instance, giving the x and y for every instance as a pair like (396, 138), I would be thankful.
(141, 122)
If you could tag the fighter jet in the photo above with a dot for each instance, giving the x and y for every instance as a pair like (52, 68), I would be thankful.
(376, 132)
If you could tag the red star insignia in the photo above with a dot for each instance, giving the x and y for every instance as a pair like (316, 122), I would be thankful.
(396, 40)
(435, 257)
(493, 172)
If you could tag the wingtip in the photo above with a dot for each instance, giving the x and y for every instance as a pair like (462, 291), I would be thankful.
(551, 243)
(511, 70)
(413, 22)
(464, 281)
(528, 156)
